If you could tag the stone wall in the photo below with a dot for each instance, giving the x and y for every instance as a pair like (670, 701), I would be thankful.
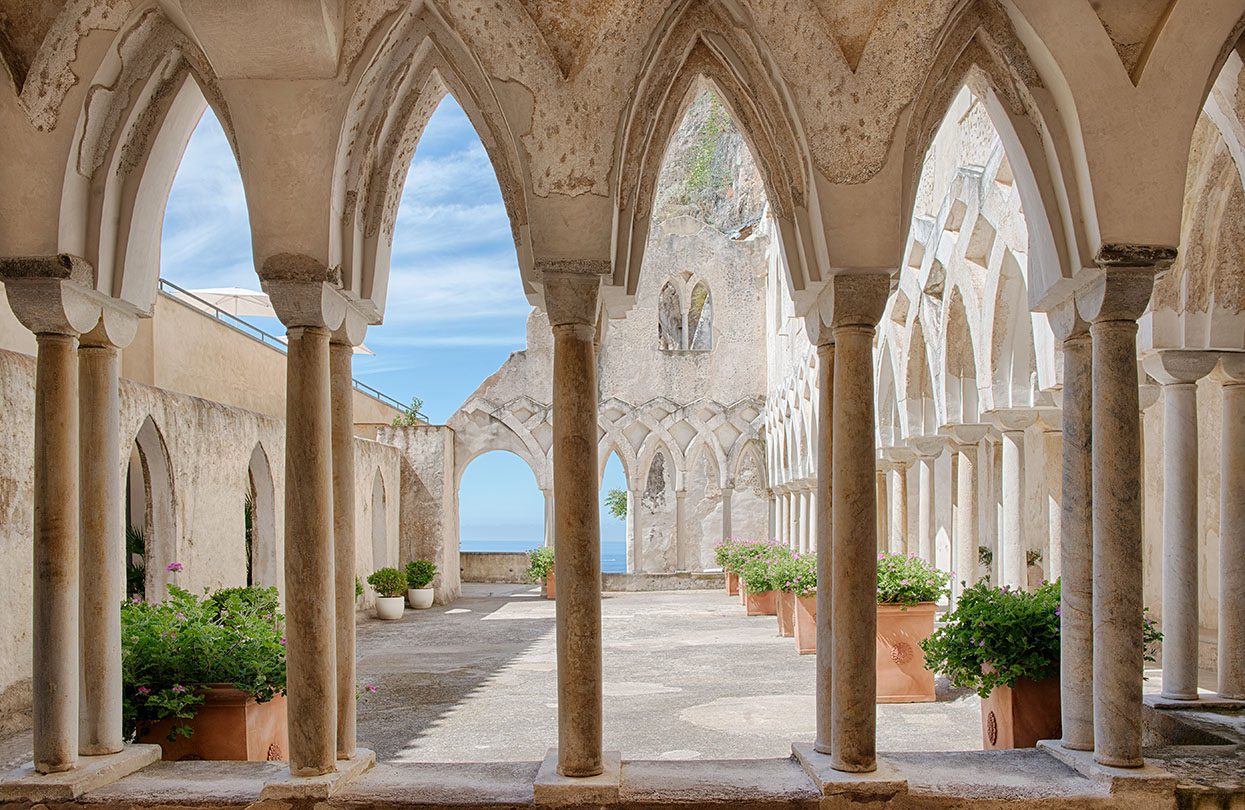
(197, 456)
(493, 566)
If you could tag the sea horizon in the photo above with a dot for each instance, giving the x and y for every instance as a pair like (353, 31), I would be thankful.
(613, 552)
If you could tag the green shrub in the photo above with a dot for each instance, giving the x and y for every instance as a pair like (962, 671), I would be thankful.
(539, 563)
(169, 649)
(358, 588)
(796, 574)
(741, 553)
(763, 561)
(722, 553)
(907, 580)
(616, 503)
(419, 573)
(388, 582)
(1015, 633)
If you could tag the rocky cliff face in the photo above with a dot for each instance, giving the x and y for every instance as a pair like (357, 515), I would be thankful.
(709, 173)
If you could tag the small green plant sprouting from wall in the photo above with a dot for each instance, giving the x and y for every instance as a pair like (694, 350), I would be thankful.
(616, 504)
(411, 415)
(704, 175)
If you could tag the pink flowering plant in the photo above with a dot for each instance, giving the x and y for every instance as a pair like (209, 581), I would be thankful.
(909, 580)
(797, 574)
(170, 650)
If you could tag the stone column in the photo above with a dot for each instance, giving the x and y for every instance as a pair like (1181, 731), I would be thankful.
(927, 448)
(858, 304)
(310, 592)
(681, 551)
(633, 538)
(341, 355)
(967, 515)
(1013, 546)
(102, 547)
(728, 493)
(1112, 306)
(1231, 663)
(1178, 372)
(883, 507)
(571, 296)
(549, 522)
(1076, 537)
(898, 461)
(825, 542)
(806, 540)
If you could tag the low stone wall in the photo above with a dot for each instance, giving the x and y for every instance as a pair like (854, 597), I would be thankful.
(678, 581)
(493, 566)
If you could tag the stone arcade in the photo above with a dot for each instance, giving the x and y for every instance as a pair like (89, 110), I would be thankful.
(997, 233)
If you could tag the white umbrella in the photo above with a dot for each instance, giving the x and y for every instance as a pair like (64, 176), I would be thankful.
(243, 303)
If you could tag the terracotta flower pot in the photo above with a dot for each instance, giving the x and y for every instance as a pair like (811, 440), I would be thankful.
(786, 614)
(1019, 716)
(806, 624)
(419, 598)
(390, 608)
(229, 725)
(550, 586)
(902, 676)
(763, 603)
(732, 583)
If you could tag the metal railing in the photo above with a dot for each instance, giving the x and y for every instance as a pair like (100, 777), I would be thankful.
(255, 333)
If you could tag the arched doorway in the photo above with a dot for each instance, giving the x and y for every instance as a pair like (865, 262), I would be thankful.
(261, 522)
(151, 539)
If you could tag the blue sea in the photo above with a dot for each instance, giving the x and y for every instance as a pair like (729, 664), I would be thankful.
(613, 552)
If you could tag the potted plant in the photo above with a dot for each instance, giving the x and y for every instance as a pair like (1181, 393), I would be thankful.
(1005, 644)
(908, 588)
(786, 570)
(540, 569)
(803, 587)
(390, 587)
(743, 553)
(419, 575)
(205, 678)
(722, 556)
(758, 575)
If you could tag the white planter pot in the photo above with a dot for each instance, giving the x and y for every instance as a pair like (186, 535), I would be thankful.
(419, 598)
(389, 607)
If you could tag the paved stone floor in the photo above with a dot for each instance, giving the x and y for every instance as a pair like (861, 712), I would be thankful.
(687, 675)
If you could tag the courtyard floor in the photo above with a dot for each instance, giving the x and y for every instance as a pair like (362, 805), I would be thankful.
(687, 675)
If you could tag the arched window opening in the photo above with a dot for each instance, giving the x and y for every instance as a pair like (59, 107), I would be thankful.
(380, 534)
(151, 542)
(617, 517)
(500, 506)
(261, 528)
(669, 319)
(700, 319)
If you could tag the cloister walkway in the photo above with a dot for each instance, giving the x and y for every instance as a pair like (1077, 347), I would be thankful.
(687, 676)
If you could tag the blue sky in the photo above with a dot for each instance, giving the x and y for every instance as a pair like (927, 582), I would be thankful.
(455, 308)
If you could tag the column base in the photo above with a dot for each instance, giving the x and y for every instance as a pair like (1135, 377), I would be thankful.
(26, 785)
(880, 785)
(552, 789)
(1150, 778)
(319, 788)
(1203, 702)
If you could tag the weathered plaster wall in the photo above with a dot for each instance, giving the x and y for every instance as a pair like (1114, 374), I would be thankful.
(206, 449)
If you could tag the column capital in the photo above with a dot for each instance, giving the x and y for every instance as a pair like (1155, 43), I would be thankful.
(966, 435)
(1179, 366)
(304, 291)
(897, 456)
(572, 289)
(857, 298)
(1231, 370)
(1120, 290)
(1007, 420)
(928, 447)
(51, 294)
(1066, 322)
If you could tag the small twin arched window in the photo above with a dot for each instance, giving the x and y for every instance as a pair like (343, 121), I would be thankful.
(681, 328)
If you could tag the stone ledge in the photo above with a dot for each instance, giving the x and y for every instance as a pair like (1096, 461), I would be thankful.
(1150, 778)
(1206, 701)
(552, 789)
(881, 785)
(322, 787)
(24, 784)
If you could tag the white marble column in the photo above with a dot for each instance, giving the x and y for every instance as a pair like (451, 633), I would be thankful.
(548, 528)
(1178, 372)
(1076, 639)
(825, 543)
(925, 508)
(1112, 307)
(899, 459)
(1231, 655)
(102, 547)
(728, 495)
(858, 304)
(1012, 549)
(883, 506)
(341, 357)
(571, 297)
(967, 514)
(682, 552)
(806, 513)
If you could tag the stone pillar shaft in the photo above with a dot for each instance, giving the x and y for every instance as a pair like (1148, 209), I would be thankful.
(1180, 541)
(899, 510)
(1013, 476)
(727, 496)
(1231, 664)
(1076, 537)
(925, 509)
(310, 595)
(578, 550)
(854, 718)
(341, 357)
(825, 545)
(883, 509)
(102, 547)
(966, 518)
(1117, 544)
(54, 668)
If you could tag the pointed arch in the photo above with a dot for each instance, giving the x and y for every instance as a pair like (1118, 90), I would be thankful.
(377, 530)
(920, 405)
(1012, 354)
(400, 81)
(670, 326)
(700, 318)
(703, 42)
(262, 566)
(959, 376)
(152, 507)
